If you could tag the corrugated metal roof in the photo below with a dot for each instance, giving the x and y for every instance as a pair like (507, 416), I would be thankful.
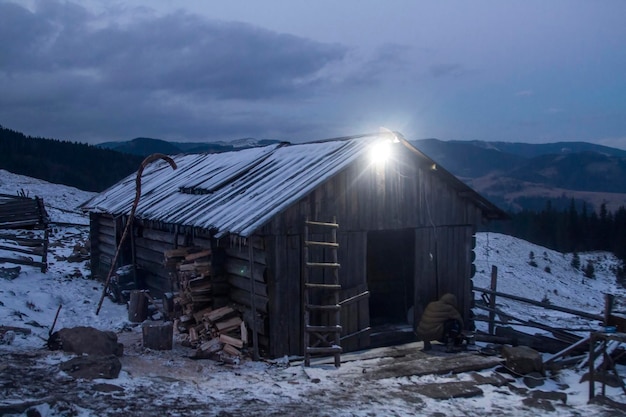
(236, 192)
(232, 192)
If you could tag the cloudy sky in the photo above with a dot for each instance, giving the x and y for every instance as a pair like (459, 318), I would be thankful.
(103, 70)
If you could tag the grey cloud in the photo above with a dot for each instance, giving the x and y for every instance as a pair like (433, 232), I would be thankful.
(179, 53)
(72, 74)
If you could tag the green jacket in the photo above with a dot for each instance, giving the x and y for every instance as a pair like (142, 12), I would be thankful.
(435, 315)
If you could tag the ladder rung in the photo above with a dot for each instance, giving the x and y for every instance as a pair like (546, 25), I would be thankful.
(324, 307)
(328, 349)
(325, 244)
(323, 264)
(328, 329)
(323, 286)
(312, 223)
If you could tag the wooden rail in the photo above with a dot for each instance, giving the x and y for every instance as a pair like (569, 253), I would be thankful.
(547, 306)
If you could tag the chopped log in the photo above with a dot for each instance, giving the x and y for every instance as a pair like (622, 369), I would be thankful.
(176, 253)
(187, 268)
(193, 335)
(219, 313)
(199, 315)
(157, 335)
(227, 325)
(261, 320)
(244, 332)
(137, 306)
(198, 255)
(231, 350)
(233, 341)
(200, 283)
(211, 346)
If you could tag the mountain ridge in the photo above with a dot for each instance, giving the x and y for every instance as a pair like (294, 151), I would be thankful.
(514, 176)
(518, 176)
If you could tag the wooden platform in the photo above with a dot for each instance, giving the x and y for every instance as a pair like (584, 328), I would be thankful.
(406, 360)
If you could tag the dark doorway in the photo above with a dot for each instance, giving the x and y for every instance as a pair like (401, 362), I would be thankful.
(390, 274)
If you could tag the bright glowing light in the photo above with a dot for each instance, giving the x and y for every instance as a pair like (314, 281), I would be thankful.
(380, 151)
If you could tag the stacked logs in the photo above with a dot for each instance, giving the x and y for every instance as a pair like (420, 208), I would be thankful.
(193, 273)
(220, 334)
(203, 317)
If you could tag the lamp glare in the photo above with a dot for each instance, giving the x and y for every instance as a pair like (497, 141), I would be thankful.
(380, 152)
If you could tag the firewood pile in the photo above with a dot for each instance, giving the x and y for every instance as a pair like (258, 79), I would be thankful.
(202, 315)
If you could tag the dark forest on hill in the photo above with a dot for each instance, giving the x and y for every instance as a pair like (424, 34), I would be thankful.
(575, 229)
(79, 165)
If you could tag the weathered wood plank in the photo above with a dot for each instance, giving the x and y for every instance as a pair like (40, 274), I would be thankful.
(242, 254)
(242, 283)
(241, 268)
(243, 297)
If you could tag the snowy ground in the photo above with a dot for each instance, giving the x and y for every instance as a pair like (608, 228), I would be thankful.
(161, 383)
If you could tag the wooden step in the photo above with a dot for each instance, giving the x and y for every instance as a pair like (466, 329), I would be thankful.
(322, 286)
(324, 224)
(324, 307)
(325, 329)
(323, 265)
(324, 244)
(328, 349)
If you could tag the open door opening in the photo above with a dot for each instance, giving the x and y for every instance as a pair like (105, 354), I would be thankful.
(390, 280)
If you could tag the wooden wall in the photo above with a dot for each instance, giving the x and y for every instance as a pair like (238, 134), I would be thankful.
(247, 274)
(103, 234)
(364, 197)
(149, 247)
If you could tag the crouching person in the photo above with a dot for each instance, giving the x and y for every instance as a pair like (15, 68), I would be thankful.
(441, 321)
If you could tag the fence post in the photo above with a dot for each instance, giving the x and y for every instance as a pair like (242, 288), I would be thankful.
(608, 307)
(492, 299)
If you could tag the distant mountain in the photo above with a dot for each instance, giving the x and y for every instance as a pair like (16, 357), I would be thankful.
(525, 176)
(147, 146)
(530, 150)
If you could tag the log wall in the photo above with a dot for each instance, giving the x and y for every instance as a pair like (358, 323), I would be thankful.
(364, 198)
(244, 274)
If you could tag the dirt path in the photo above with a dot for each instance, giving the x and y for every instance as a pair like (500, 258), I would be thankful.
(168, 383)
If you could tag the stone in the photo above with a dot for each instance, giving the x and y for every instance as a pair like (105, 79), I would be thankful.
(538, 403)
(533, 380)
(523, 360)
(107, 388)
(86, 340)
(549, 395)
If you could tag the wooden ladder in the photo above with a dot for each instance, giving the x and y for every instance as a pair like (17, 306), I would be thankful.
(322, 320)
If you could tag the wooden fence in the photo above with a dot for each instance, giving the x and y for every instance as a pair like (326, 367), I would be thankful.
(19, 217)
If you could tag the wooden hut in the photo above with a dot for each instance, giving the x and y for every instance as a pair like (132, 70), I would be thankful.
(400, 233)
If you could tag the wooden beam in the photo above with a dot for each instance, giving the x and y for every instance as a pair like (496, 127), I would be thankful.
(542, 304)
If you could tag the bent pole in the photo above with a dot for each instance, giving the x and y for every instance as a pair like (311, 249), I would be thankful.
(131, 215)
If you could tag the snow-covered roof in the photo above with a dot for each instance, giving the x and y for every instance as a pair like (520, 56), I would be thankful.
(232, 192)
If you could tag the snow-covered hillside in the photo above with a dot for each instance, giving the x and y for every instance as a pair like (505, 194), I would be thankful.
(168, 383)
(531, 271)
